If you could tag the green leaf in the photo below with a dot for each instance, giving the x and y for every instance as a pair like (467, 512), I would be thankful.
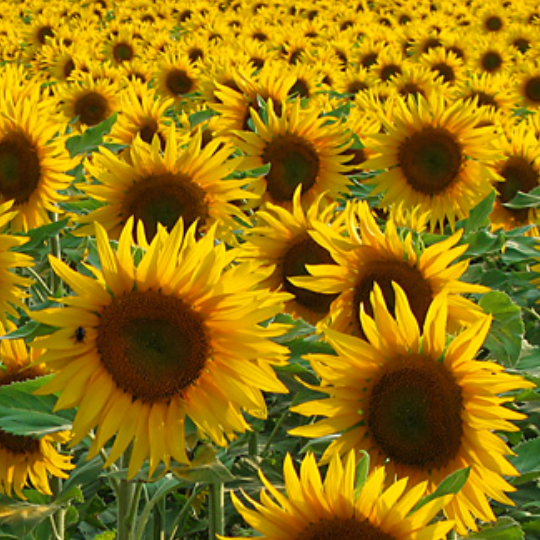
(73, 494)
(205, 468)
(21, 517)
(527, 460)
(504, 529)
(91, 139)
(39, 236)
(449, 486)
(505, 337)
(530, 199)
(23, 413)
(201, 116)
(362, 472)
(479, 215)
(29, 330)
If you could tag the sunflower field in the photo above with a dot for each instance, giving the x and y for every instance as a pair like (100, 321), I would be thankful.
(269, 269)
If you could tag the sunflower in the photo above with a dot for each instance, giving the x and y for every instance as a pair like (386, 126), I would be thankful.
(315, 509)
(142, 113)
(435, 158)
(122, 47)
(390, 64)
(281, 241)
(25, 460)
(160, 187)
(301, 148)
(33, 157)
(372, 257)
(520, 170)
(419, 80)
(444, 64)
(422, 408)
(89, 99)
(177, 335)
(175, 77)
(492, 55)
(528, 86)
(489, 91)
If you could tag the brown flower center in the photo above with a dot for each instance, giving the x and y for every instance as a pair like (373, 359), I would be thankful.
(384, 272)
(20, 168)
(445, 72)
(306, 251)
(123, 52)
(493, 23)
(430, 160)
(532, 89)
(519, 175)
(491, 61)
(344, 529)
(389, 71)
(43, 33)
(154, 346)
(92, 108)
(179, 83)
(522, 44)
(414, 412)
(164, 199)
(293, 162)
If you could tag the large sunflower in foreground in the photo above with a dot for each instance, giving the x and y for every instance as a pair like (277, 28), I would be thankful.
(434, 158)
(25, 460)
(33, 158)
(302, 149)
(368, 256)
(317, 509)
(280, 240)
(176, 335)
(160, 187)
(422, 408)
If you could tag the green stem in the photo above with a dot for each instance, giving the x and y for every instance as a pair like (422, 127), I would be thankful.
(56, 250)
(179, 520)
(39, 280)
(159, 520)
(126, 495)
(59, 518)
(274, 433)
(216, 511)
(253, 444)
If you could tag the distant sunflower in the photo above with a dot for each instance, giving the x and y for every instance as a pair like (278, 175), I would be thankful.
(301, 148)
(421, 408)
(492, 56)
(520, 171)
(177, 335)
(122, 47)
(435, 158)
(444, 64)
(313, 509)
(368, 257)
(280, 240)
(160, 187)
(488, 90)
(528, 87)
(27, 460)
(175, 77)
(33, 157)
(89, 100)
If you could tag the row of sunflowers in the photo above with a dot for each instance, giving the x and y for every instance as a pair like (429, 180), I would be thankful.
(268, 269)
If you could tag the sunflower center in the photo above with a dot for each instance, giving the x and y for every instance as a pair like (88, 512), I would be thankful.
(389, 71)
(293, 162)
(411, 88)
(409, 278)
(484, 100)
(445, 72)
(522, 44)
(164, 199)
(532, 89)
(154, 346)
(493, 23)
(43, 33)
(20, 169)
(148, 130)
(178, 82)
(431, 160)
(344, 529)
(123, 52)
(92, 108)
(306, 251)
(491, 61)
(300, 87)
(414, 412)
(519, 175)
(69, 66)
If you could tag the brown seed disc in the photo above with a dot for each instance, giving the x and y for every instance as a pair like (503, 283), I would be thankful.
(154, 346)
(92, 108)
(491, 61)
(343, 529)
(178, 82)
(532, 89)
(123, 52)
(293, 162)
(431, 160)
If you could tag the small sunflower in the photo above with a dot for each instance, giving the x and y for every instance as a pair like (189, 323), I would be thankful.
(368, 257)
(528, 87)
(301, 148)
(177, 335)
(122, 47)
(422, 408)
(25, 460)
(435, 158)
(175, 77)
(492, 56)
(280, 240)
(488, 90)
(313, 509)
(160, 187)
(444, 64)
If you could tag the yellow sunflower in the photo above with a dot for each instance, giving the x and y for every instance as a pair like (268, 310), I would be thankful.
(313, 509)
(280, 240)
(175, 77)
(302, 149)
(33, 157)
(528, 86)
(176, 335)
(25, 460)
(422, 408)
(368, 257)
(435, 159)
(160, 187)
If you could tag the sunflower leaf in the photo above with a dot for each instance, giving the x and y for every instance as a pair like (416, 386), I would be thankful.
(91, 139)
(526, 460)
(20, 518)
(31, 329)
(505, 529)
(530, 199)
(505, 337)
(479, 215)
(362, 472)
(449, 486)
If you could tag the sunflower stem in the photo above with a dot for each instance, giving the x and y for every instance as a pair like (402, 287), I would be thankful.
(58, 520)
(56, 250)
(126, 496)
(159, 520)
(273, 433)
(179, 520)
(253, 444)
(216, 510)
(40, 281)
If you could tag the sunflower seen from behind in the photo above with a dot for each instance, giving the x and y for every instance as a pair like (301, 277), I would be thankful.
(313, 508)
(421, 407)
(177, 335)
(433, 157)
